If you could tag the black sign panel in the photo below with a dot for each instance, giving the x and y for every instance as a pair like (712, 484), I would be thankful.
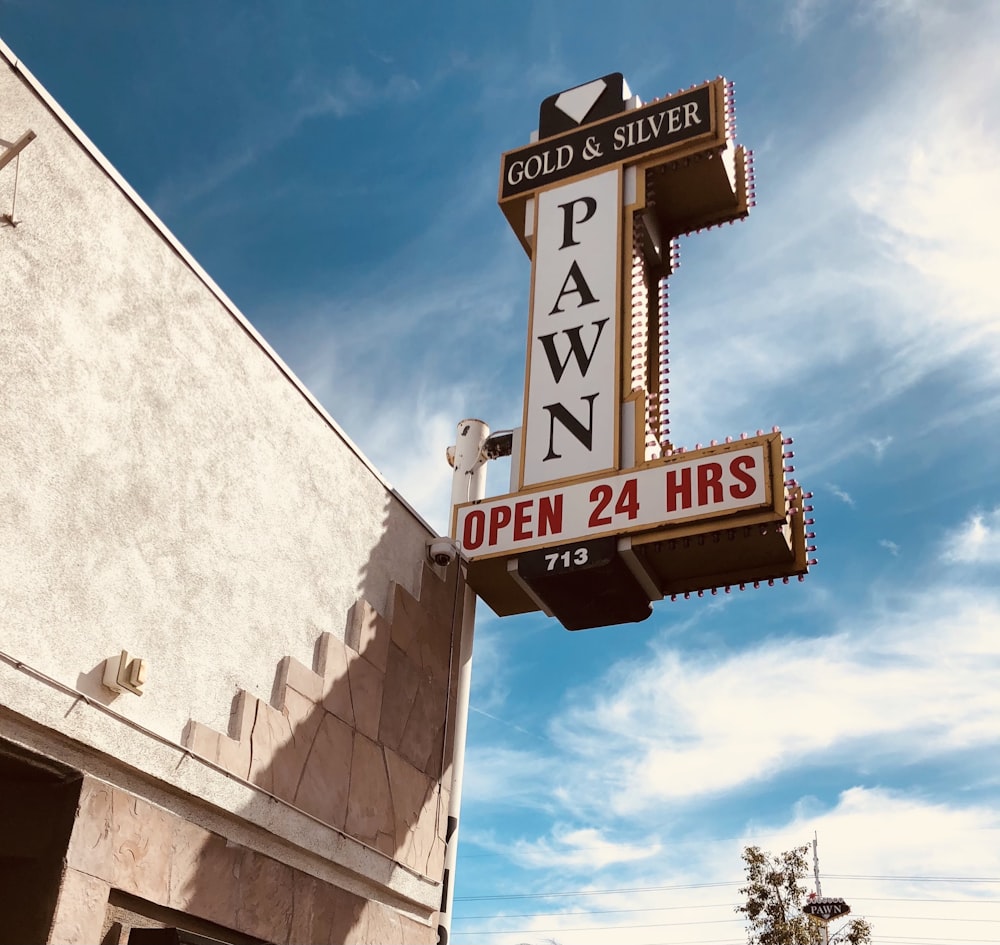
(826, 909)
(629, 135)
(581, 555)
(585, 584)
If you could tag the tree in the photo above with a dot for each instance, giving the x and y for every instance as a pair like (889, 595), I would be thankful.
(774, 899)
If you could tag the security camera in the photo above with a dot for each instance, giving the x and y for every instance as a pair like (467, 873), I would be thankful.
(442, 551)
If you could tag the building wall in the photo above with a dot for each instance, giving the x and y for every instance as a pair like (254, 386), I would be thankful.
(169, 488)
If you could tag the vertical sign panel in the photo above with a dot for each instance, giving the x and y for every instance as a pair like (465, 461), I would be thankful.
(571, 408)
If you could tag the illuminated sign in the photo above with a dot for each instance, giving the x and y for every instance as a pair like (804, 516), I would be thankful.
(606, 513)
(679, 489)
(639, 133)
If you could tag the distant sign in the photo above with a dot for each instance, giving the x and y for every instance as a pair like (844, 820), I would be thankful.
(623, 137)
(673, 490)
(826, 908)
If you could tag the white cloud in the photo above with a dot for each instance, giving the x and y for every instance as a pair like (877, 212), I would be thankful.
(675, 729)
(894, 257)
(976, 541)
(880, 445)
(505, 776)
(869, 841)
(889, 546)
(844, 497)
(578, 850)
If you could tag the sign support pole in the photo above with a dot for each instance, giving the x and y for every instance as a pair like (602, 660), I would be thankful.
(468, 484)
(819, 888)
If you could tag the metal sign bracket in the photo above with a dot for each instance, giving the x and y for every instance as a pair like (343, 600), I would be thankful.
(12, 151)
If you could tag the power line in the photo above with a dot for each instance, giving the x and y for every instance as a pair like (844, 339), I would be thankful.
(930, 918)
(728, 905)
(935, 940)
(700, 941)
(602, 892)
(528, 915)
(592, 892)
(598, 928)
(671, 925)
(918, 879)
(967, 902)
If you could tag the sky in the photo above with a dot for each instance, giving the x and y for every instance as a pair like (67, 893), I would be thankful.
(333, 166)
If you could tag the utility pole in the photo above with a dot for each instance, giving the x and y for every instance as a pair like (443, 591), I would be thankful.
(819, 888)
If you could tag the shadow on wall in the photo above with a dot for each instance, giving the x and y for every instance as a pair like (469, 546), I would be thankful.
(359, 741)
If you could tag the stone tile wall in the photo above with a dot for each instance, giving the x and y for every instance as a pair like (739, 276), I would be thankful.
(358, 742)
(126, 843)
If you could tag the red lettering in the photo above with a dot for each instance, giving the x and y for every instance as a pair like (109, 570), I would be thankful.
(602, 496)
(499, 518)
(473, 529)
(550, 515)
(628, 500)
(737, 469)
(677, 489)
(522, 519)
(709, 476)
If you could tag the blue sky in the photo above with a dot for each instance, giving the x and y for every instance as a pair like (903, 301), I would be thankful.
(334, 169)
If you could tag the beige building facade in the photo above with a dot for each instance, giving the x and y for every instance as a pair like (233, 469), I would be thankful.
(168, 488)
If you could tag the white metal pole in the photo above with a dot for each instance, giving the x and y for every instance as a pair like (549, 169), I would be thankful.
(468, 483)
(819, 888)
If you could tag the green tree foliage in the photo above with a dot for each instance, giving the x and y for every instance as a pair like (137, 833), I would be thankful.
(775, 895)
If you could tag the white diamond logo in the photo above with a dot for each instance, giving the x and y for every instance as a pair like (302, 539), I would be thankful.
(578, 102)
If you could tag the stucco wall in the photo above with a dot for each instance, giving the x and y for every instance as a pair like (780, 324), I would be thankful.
(164, 486)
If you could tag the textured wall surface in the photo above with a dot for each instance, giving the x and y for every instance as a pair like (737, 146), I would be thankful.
(165, 488)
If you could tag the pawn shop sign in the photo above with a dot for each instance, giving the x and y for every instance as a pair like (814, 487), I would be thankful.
(606, 514)
(825, 908)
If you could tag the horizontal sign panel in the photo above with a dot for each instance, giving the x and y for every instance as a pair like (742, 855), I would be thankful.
(715, 483)
(826, 908)
(633, 134)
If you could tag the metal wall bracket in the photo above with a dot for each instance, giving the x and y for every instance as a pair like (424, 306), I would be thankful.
(10, 152)
(15, 148)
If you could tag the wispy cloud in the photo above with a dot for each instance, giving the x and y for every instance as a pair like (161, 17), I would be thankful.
(803, 16)
(301, 101)
(649, 734)
(889, 546)
(844, 497)
(894, 260)
(880, 445)
(579, 849)
(975, 541)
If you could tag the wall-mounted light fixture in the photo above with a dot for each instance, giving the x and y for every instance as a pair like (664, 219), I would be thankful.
(124, 675)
